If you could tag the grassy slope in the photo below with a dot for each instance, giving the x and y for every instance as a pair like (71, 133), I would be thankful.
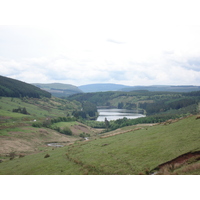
(38, 108)
(16, 133)
(129, 153)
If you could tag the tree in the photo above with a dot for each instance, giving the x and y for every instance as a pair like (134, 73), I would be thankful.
(120, 105)
(24, 111)
(107, 123)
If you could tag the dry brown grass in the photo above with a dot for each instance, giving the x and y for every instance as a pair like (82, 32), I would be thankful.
(191, 167)
(178, 168)
(31, 140)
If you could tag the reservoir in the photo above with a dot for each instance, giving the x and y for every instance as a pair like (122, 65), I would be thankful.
(114, 114)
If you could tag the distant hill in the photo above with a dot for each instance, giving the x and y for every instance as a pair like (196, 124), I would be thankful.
(101, 87)
(104, 87)
(163, 88)
(59, 89)
(14, 88)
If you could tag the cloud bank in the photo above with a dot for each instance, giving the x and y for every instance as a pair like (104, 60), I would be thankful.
(125, 42)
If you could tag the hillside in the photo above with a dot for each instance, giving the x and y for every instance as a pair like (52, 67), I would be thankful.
(160, 149)
(104, 87)
(13, 88)
(163, 88)
(150, 102)
(43, 135)
(36, 108)
(101, 87)
(21, 132)
(59, 89)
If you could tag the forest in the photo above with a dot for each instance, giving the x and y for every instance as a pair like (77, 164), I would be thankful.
(14, 88)
(157, 106)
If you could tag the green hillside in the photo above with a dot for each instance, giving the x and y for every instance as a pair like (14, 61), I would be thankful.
(104, 87)
(37, 108)
(59, 89)
(133, 151)
(163, 88)
(14, 88)
(151, 102)
(165, 142)
(17, 133)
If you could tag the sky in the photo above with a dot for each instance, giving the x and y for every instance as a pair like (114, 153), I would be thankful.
(138, 42)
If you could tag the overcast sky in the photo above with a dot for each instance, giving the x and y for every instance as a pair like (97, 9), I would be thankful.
(143, 42)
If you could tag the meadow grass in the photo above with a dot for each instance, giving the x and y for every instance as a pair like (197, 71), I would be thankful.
(141, 150)
(64, 124)
(36, 164)
(136, 152)
(38, 108)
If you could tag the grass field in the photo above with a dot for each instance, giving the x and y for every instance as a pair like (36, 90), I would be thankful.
(134, 152)
(16, 131)
(38, 108)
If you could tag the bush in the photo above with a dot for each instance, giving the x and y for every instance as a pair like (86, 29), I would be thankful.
(21, 110)
(37, 124)
(66, 131)
(47, 155)
(83, 135)
(56, 128)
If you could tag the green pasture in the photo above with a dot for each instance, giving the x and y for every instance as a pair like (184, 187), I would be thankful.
(64, 124)
(136, 152)
(38, 108)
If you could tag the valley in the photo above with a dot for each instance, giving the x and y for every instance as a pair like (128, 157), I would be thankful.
(51, 135)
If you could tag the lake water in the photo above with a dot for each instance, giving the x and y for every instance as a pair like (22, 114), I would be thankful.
(114, 114)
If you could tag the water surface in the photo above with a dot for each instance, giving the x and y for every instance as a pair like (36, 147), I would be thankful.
(114, 114)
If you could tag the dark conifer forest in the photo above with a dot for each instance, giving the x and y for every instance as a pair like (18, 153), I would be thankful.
(14, 88)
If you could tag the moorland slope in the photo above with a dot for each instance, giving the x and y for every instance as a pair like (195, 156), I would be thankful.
(137, 150)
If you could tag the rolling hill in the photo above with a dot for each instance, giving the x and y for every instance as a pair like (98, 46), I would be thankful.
(101, 87)
(14, 88)
(163, 88)
(59, 89)
(159, 149)
(104, 87)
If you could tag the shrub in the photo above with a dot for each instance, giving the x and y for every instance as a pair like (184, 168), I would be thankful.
(66, 131)
(12, 155)
(56, 128)
(37, 124)
(83, 135)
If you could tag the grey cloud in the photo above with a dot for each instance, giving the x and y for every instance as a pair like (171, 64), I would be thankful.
(194, 64)
(188, 64)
